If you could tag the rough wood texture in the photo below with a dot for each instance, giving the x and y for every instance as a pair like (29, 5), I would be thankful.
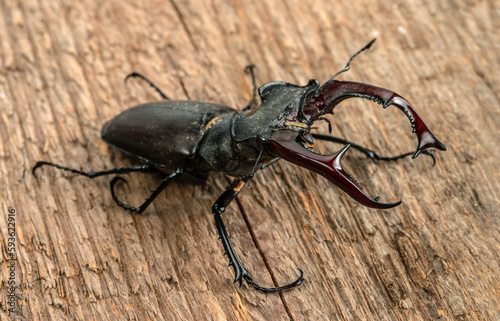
(80, 257)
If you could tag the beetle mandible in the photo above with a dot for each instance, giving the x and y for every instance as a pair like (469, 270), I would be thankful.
(196, 138)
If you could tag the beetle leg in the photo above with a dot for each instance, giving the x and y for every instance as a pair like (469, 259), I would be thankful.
(250, 69)
(138, 75)
(272, 161)
(148, 201)
(369, 153)
(119, 170)
(240, 273)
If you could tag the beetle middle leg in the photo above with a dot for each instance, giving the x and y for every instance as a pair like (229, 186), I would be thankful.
(218, 208)
(369, 153)
(240, 272)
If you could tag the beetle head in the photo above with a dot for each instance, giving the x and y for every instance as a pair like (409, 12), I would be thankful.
(292, 130)
(280, 102)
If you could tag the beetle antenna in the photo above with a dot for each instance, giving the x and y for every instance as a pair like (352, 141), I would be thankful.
(347, 67)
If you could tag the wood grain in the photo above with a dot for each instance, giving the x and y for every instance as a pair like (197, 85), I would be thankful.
(80, 257)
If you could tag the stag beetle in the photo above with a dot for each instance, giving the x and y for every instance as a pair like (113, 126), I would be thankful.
(197, 138)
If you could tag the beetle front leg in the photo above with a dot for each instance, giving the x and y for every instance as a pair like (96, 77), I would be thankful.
(240, 273)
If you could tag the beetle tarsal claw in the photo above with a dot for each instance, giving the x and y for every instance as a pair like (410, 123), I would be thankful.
(242, 274)
(295, 283)
(283, 143)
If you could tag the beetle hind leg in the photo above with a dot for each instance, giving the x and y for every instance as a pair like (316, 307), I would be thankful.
(138, 75)
(368, 152)
(119, 170)
(240, 272)
(150, 198)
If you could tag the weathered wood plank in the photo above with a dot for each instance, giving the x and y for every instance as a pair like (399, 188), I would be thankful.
(81, 257)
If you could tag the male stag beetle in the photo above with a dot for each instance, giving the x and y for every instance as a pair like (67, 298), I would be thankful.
(195, 138)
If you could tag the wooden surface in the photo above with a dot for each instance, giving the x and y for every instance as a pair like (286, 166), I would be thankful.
(80, 257)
